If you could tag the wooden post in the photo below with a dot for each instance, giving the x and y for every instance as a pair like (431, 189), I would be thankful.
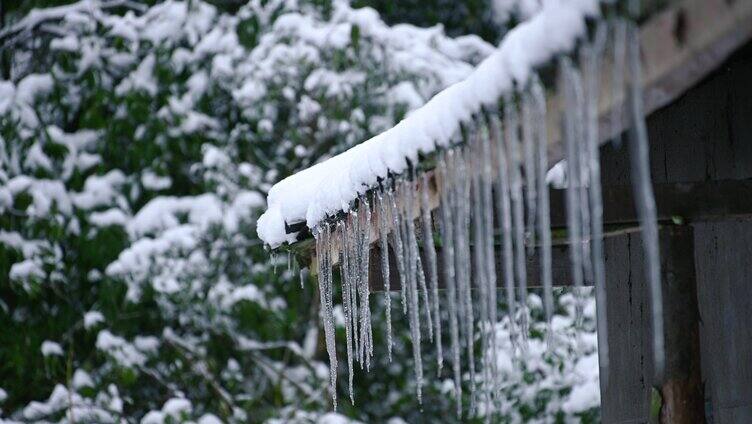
(681, 392)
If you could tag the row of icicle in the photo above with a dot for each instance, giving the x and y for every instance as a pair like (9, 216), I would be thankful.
(500, 167)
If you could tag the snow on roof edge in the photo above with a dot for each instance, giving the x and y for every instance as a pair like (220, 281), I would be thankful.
(328, 187)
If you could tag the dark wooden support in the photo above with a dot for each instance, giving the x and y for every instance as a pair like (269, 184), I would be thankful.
(685, 201)
(630, 391)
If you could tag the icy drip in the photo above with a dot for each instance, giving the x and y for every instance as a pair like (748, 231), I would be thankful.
(411, 261)
(478, 250)
(364, 244)
(430, 254)
(643, 191)
(574, 218)
(591, 64)
(323, 252)
(503, 208)
(617, 83)
(487, 177)
(346, 296)
(382, 200)
(538, 99)
(529, 166)
(511, 124)
(397, 237)
(446, 229)
(351, 231)
(463, 265)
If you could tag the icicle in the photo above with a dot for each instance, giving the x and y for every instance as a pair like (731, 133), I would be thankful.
(503, 208)
(479, 250)
(346, 296)
(617, 83)
(529, 166)
(323, 252)
(351, 233)
(446, 229)
(574, 221)
(430, 254)
(397, 238)
(487, 176)
(511, 124)
(462, 253)
(544, 219)
(412, 291)
(364, 290)
(384, 244)
(302, 273)
(591, 61)
(420, 273)
(643, 190)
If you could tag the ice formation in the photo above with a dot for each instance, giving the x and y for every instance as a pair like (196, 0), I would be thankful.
(484, 196)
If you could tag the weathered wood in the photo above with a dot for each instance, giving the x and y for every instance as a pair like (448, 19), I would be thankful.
(723, 255)
(627, 398)
(689, 202)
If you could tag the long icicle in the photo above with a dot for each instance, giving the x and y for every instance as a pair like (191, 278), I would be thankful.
(346, 287)
(446, 228)
(643, 190)
(365, 307)
(462, 233)
(574, 221)
(323, 252)
(591, 61)
(544, 218)
(412, 292)
(511, 123)
(430, 253)
(479, 252)
(487, 177)
(384, 209)
(503, 208)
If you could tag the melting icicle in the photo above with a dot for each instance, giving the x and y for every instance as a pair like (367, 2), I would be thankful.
(591, 61)
(384, 245)
(511, 124)
(544, 219)
(323, 252)
(412, 290)
(617, 85)
(430, 254)
(529, 166)
(479, 250)
(643, 190)
(346, 296)
(302, 274)
(364, 290)
(574, 221)
(446, 229)
(424, 293)
(462, 256)
(505, 219)
(397, 238)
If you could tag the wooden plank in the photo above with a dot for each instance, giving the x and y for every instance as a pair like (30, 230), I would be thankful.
(722, 255)
(689, 202)
(627, 397)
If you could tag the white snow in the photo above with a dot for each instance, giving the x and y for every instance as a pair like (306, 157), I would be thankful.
(330, 186)
(92, 318)
(82, 379)
(50, 348)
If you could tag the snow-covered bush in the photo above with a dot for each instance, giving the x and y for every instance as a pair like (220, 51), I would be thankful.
(136, 147)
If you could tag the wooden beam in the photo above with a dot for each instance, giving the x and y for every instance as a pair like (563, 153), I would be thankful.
(685, 202)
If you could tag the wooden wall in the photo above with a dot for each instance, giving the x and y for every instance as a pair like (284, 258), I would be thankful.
(706, 135)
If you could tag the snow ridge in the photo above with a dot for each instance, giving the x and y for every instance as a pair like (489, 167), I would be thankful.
(329, 187)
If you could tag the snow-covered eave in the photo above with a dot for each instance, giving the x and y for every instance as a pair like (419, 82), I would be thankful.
(673, 62)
